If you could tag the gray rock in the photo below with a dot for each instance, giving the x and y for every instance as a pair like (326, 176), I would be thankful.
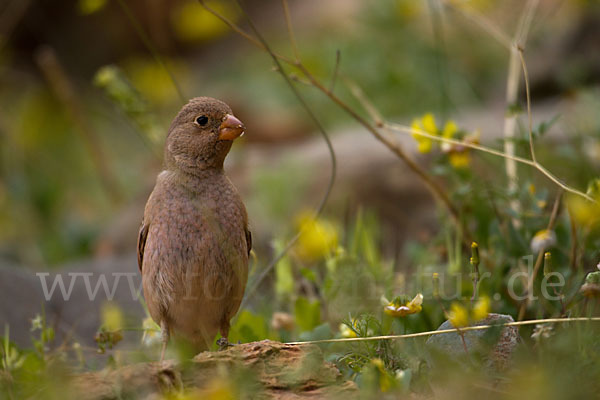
(88, 285)
(497, 354)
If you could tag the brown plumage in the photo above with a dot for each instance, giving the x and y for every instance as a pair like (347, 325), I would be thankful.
(194, 242)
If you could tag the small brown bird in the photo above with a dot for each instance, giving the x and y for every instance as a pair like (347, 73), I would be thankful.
(194, 242)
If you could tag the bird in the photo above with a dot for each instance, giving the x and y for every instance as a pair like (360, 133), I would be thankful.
(194, 241)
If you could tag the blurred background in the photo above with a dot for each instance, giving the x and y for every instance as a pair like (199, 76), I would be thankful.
(86, 100)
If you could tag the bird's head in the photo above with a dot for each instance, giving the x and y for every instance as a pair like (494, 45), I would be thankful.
(201, 135)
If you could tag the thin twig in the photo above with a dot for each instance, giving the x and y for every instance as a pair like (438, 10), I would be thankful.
(536, 165)
(239, 30)
(474, 146)
(437, 25)
(512, 95)
(288, 22)
(447, 315)
(509, 128)
(573, 252)
(540, 257)
(561, 297)
(252, 288)
(379, 121)
(484, 23)
(529, 116)
(296, 78)
(525, 22)
(512, 83)
(336, 68)
(373, 112)
(453, 330)
(435, 189)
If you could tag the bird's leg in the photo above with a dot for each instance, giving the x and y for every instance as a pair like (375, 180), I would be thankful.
(164, 331)
(223, 342)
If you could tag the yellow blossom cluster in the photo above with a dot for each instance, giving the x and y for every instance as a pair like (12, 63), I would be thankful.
(461, 316)
(458, 156)
(112, 317)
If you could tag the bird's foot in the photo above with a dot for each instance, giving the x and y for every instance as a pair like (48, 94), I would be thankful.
(223, 344)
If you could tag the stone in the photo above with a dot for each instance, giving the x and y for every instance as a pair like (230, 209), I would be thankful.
(497, 358)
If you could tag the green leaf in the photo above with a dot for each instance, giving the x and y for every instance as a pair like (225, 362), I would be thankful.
(307, 314)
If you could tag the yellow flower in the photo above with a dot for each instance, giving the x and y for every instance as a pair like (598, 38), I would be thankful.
(584, 212)
(427, 124)
(398, 308)
(318, 238)
(459, 155)
(531, 189)
(386, 381)
(435, 277)
(112, 317)
(449, 132)
(458, 315)
(450, 129)
(481, 309)
(152, 80)
(346, 331)
(424, 144)
(460, 159)
(461, 316)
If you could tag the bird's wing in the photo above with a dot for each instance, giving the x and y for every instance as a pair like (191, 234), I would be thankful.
(248, 240)
(141, 244)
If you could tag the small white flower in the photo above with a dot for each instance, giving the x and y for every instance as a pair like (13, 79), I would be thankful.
(543, 240)
(542, 331)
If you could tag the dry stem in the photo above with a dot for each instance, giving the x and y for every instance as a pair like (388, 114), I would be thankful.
(433, 186)
(454, 330)
(540, 257)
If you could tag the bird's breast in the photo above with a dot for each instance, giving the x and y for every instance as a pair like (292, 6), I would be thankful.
(197, 229)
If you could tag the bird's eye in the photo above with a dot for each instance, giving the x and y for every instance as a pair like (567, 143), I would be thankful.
(202, 120)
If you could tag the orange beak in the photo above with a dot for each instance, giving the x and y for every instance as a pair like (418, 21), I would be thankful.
(231, 128)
